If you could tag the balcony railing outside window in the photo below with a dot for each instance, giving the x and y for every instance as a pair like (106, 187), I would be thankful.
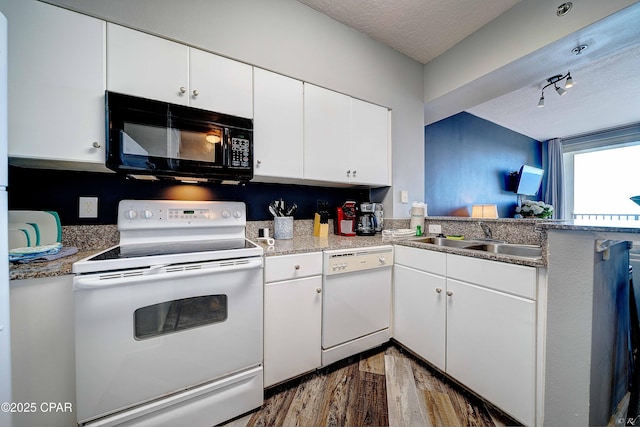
(607, 217)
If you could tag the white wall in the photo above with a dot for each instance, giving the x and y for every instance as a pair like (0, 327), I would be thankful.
(290, 38)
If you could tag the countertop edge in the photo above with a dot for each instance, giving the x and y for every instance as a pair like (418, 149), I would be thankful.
(510, 259)
(307, 244)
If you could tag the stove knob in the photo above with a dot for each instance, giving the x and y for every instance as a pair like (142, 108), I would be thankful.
(147, 214)
(226, 213)
(237, 214)
(130, 214)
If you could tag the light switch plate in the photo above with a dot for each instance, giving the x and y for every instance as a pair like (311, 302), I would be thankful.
(404, 196)
(88, 207)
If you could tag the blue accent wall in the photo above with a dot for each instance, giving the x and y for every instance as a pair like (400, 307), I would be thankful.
(468, 160)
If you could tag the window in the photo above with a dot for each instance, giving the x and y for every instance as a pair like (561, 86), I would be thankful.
(601, 174)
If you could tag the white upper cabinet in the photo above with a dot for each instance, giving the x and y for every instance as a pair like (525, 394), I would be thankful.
(220, 84)
(152, 67)
(146, 66)
(345, 140)
(327, 128)
(277, 126)
(370, 148)
(56, 87)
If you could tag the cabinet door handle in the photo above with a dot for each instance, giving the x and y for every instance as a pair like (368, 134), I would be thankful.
(183, 89)
(297, 267)
(438, 290)
(449, 293)
(354, 174)
(348, 173)
(196, 93)
(318, 290)
(258, 162)
(96, 144)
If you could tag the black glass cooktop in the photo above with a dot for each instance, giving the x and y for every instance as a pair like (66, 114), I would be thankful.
(171, 248)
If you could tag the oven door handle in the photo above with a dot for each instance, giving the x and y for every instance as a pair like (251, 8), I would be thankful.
(110, 280)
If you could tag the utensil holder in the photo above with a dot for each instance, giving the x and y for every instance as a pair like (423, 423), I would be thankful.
(283, 227)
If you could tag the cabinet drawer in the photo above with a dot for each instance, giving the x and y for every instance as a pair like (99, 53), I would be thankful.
(421, 259)
(510, 278)
(285, 267)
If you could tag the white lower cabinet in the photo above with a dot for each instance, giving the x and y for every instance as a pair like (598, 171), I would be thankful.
(292, 316)
(419, 312)
(475, 319)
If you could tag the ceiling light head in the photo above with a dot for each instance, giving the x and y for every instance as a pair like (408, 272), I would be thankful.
(569, 83)
(541, 101)
(560, 90)
(564, 8)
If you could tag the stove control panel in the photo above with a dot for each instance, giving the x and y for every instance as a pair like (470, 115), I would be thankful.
(189, 214)
(179, 214)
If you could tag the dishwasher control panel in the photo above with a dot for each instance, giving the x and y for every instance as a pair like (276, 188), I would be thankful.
(347, 261)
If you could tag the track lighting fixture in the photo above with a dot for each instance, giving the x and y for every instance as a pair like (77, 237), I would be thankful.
(554, 81)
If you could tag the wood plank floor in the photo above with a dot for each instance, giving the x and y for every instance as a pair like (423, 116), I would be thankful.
(386, 386)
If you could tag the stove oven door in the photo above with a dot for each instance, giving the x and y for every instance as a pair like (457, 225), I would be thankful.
(147, 334)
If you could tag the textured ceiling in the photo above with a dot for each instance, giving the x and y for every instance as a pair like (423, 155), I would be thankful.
(607, 75)
(421, 29)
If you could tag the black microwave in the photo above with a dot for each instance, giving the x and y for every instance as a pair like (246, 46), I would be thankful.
(149, 139)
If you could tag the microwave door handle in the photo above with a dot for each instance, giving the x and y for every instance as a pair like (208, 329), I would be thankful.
(226, 149)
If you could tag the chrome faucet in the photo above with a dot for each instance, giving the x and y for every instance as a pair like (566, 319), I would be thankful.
(486, 230)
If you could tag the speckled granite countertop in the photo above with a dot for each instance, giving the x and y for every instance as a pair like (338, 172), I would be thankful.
(301, 244)
(89, 239)
(93, 239)
(592, 225)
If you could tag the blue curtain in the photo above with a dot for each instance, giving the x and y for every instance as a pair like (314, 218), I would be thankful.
(554, 191)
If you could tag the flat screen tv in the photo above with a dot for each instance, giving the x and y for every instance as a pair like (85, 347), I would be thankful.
(529, 180)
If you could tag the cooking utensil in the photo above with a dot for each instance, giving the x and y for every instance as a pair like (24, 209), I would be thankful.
(292, 210)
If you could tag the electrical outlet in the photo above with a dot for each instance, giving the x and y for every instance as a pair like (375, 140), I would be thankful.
(88, 207)
(435, 229)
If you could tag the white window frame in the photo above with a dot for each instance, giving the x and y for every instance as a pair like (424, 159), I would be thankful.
(603, 140)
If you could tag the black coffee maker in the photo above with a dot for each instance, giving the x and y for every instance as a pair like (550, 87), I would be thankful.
(366, 219)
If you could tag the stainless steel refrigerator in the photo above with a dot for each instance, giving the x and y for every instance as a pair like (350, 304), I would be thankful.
(5, 330)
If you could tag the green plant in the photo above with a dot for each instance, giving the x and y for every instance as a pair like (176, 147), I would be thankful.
(533, 209)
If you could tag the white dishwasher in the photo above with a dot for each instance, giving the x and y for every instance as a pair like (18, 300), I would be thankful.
(356, 305)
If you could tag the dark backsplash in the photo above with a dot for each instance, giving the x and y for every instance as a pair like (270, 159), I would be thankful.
(56, 190)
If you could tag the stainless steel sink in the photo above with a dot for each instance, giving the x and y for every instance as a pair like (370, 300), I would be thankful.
(493, 246)
(529, 251)
(451, 243)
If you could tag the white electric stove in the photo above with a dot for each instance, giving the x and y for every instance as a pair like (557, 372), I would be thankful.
(169, 323)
